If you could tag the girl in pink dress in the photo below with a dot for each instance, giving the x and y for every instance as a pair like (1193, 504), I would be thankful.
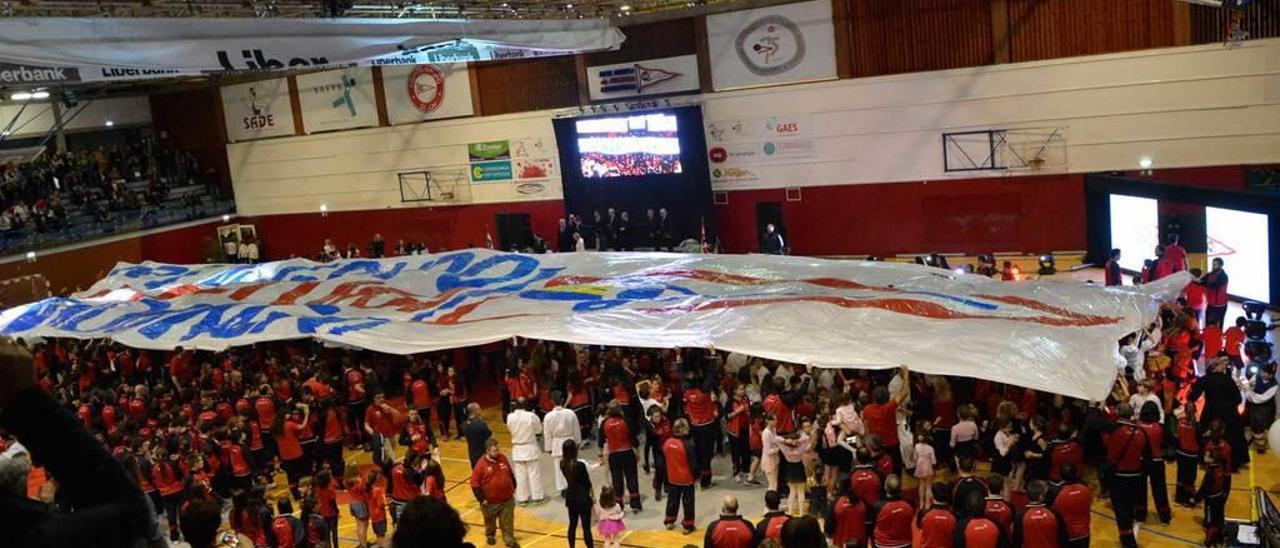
(925, 461)
(609, 514)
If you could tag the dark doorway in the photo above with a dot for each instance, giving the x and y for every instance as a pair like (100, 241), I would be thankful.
(769, 213)
(514, 231)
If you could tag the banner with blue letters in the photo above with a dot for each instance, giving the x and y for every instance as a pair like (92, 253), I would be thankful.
(1058, 337)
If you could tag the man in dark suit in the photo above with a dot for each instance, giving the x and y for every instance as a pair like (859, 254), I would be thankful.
(664, 239)
(772, 242)
(476, 432)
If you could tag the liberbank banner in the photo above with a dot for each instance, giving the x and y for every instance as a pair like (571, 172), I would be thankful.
(1059, 337)
(67, 50)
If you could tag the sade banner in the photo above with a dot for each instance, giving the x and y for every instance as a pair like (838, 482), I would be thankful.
(1052, 336)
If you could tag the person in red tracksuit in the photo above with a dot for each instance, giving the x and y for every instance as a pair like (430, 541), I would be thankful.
(421, 403)
(406, 483)
(1039, 526)
(331, 438)
(703, 413)
(780, 402)
(892, 517)
(770, 526)
(236, 453)
(619, 445)
(1063, 451)
(937, 523)
(287, 529)
(1189, 439)
(866, 481)
(1074, 502)
(326, 492)
(846, 519)
(1213, 491)
(167, 475)
(660, 427)
(1149, 422)
(996, 508)
(680, 457)
(356, 402)
(730, 530)
(979, 531)
(1127, 449)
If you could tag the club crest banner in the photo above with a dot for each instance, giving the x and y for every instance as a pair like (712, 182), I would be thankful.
(427, 92)
(1054, 336)
(789, 43)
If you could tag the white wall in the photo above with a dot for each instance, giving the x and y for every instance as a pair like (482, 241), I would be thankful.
(354, 170)
(37, 119)
(1183, 107)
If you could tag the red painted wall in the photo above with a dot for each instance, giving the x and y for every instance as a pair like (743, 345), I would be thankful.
(440, 228)
(1024, 214)
(972, 216)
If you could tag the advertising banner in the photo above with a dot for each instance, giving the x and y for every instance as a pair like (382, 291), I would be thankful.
(734, 147)
(1054, 336)
(483, 172)
(337, 99)
(257, 109)
(489, 150)
(113, 48)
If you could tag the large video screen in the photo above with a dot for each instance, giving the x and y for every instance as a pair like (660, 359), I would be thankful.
(1135, 229)
(628, 146)
(1240, 239)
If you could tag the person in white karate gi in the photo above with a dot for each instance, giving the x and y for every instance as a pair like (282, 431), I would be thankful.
(560, 424)
(526, 454)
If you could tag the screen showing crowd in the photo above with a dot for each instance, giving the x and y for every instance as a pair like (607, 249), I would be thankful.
(628, 146)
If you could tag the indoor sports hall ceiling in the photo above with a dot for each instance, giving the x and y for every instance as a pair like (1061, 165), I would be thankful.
(483, 9)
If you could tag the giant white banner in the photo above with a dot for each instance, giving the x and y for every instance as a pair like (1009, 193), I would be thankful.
(257, 109)
(124, 48)
(337, 99)
(1059, 337)
(427, 92)
(789, 43)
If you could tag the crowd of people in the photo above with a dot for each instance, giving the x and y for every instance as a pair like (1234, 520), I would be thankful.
(854, 456)
(614, 231)
(631, 164)
(846, 457)
(37, 195)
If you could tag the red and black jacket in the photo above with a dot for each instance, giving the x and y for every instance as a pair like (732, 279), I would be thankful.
(730, 532)
(770, 525)
(1039, 527)
(1073, 502)
(893, 519)
(937, 526)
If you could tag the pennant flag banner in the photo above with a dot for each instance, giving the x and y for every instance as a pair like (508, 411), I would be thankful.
(1059, 337)
(69, 50)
